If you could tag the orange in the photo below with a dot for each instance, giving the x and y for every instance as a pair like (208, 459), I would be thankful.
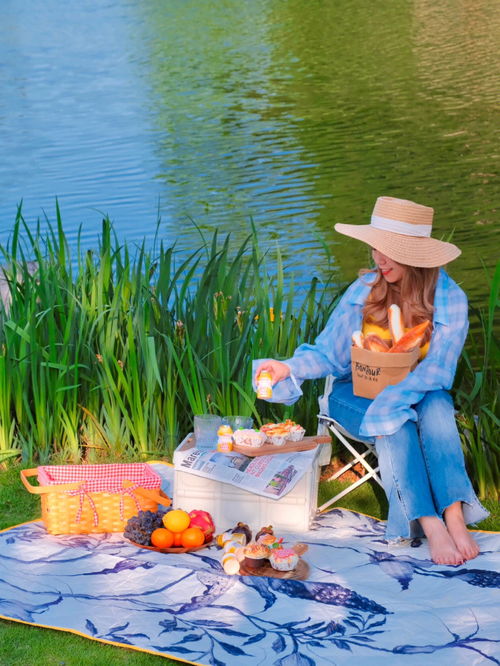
(177, 539)
(192, 537)
(162, 538)
(176, 520)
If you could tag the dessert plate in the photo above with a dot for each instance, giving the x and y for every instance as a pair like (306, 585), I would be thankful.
(301, 571)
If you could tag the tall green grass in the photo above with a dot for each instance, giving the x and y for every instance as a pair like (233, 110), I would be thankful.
(477, 397)
(118, 353)
(108, 353)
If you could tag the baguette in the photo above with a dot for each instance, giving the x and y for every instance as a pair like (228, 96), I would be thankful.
(411, 339)
(396, 325)
(375, 343)
(358, 339)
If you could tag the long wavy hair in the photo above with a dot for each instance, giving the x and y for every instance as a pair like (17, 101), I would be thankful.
(414, 294)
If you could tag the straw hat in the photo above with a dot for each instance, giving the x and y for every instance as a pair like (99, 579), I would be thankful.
(401, 230)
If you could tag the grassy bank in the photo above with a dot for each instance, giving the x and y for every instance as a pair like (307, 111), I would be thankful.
(109, 354)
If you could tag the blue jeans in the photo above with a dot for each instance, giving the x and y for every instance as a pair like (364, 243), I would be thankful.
(421, 466)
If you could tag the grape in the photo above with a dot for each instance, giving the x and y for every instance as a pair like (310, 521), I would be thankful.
(139, 528)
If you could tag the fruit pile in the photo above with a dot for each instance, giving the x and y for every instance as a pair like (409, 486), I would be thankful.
(139, 528)
(174, 529)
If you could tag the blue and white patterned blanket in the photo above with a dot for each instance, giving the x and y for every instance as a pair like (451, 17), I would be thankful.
(364, 601)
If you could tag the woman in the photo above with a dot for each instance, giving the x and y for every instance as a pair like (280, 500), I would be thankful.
(412, 423)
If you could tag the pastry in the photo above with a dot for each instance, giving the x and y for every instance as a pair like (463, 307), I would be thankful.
(249, 437)
(267, 540)
(283, 559)
(374, 343)
(279, 433)
(256, 555)
(268, 529)
(411, 339)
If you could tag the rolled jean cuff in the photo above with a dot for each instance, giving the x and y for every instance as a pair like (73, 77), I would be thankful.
(473, 511)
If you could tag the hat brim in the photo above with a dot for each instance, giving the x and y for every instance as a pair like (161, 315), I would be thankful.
(415, 251)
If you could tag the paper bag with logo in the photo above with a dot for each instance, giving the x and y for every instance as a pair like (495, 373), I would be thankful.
(373, 371)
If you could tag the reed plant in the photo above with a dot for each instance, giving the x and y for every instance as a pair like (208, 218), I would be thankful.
(114, 353)
(109, 355)
(477, 398)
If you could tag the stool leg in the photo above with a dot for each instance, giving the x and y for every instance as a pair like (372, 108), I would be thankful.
(372, 472)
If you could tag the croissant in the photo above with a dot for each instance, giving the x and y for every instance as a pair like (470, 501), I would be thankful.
(411, 339)
(375, 343)
(396, 325)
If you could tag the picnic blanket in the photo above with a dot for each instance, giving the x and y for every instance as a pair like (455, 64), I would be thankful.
(364, 601)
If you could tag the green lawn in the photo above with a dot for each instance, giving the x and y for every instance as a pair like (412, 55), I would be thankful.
(25, 645)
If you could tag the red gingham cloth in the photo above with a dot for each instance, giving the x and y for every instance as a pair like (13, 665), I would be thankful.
(100, 478)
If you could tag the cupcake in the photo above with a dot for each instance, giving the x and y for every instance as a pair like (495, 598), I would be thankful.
(283, 559)
(296, 433)
(248, 437)
(263, 531)
(267, 540)
(256, 555)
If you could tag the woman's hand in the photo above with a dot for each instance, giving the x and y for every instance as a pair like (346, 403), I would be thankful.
(276, 369)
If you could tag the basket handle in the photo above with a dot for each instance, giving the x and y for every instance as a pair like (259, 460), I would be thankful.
(40, 490)
(156, 496)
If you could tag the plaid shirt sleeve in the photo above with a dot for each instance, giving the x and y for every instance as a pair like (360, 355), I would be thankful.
(331, 351)
(394, 405)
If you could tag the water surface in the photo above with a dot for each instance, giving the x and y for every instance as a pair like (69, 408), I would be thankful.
(294, 115)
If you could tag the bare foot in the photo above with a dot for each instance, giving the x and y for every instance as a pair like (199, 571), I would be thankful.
(442, 546)
(464, 541)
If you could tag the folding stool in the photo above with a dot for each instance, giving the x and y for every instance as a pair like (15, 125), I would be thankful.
(326, 422)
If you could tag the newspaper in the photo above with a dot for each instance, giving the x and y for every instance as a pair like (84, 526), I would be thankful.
(271, 476)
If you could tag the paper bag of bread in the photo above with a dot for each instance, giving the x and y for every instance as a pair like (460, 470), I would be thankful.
(377, 363)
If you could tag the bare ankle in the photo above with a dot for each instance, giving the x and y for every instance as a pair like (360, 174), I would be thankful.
(454, 513)
(441, 545)
(463, 539)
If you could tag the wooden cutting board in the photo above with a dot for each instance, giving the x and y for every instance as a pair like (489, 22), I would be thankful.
(304, 444)
(301, 571)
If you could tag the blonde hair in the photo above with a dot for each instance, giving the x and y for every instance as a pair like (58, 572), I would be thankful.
(414, 294)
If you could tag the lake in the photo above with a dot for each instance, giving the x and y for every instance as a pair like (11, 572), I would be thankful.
(291, 114)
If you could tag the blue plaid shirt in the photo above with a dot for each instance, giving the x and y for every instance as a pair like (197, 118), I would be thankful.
(331, 354)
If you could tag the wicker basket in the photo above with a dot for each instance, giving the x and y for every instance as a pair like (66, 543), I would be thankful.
(99, 498)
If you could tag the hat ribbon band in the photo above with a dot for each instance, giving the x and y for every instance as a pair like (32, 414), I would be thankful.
(398, 227)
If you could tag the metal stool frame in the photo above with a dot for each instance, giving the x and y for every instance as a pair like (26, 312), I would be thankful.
(342, 435)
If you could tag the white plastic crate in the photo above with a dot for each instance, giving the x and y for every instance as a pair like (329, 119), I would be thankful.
(228, 504)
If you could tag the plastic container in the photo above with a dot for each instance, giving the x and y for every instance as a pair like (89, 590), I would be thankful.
(264, 385)
(238, 422)
(228, 504)
(205, 430)
(225, 439)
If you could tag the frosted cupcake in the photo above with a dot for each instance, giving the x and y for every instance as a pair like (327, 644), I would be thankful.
(268, 540)
(256, 555)
(283, 559)
(296, 433)
(247, 437)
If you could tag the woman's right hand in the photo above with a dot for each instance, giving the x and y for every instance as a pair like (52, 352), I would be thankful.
(276, 369)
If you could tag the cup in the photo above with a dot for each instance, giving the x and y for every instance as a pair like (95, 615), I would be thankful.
(205, 430)
(237, 422)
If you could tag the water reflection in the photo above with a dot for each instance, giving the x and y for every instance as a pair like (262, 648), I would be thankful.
(295, 115)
